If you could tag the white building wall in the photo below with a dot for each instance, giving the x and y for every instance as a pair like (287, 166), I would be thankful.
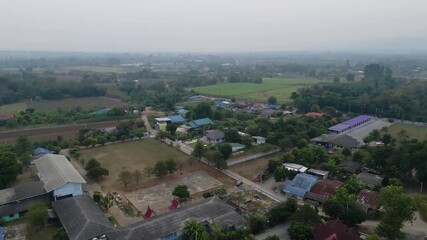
(75, 189)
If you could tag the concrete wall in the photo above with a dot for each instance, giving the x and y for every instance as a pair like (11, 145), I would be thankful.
(75, 189)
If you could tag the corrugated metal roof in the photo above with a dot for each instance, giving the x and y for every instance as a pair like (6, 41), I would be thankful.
(82, 219)
(21, 192)
(209, 209)
(323, 190)
(369, 198)
(369, 179)
(300, 185)
(56, 171)
(215, 134)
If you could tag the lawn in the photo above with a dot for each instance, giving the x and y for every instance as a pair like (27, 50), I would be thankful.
(281, 88)
(50, 105)
(131, 156)
(413, 131)
(13, 107)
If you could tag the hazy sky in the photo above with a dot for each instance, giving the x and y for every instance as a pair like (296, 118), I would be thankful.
(202, 25)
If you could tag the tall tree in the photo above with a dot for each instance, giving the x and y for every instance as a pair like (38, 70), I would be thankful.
(37, 215)
(198, 150)
(195, 230)
(125, 177)
(23, 148)
(300, 231)
(272, 100)
(225, 150)
(137, 175)
(148, 171)
(398, 208)
(171, 165)
(160, 169)
(9, 167)
(181, 192)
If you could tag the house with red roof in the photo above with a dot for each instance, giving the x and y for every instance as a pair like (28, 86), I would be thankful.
(323, 190)
(7, 116)
(315, 114)
(335, 230)
(368, 199)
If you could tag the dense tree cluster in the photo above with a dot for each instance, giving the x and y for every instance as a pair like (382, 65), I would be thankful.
(14, 90)
(9, 165)
(378, 94)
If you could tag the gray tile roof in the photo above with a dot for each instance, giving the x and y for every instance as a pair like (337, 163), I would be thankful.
(56, 171)
(369, 179)
(215, 134)
(82, 219)
(22, 205)
(21, 192)
(211, 209)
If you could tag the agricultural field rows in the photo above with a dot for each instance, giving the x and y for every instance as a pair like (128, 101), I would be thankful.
(281, 88)
(50, 105)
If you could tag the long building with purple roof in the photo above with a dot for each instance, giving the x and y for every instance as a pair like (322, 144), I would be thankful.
(350, 124)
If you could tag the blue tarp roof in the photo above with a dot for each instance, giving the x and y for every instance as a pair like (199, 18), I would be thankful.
(176, 119)
(1, 233)
(301, 184)
(40, 150)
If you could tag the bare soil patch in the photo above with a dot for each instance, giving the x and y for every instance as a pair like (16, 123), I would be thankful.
(251, 169)
(159, 197)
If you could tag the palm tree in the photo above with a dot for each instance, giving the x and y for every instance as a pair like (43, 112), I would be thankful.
(195, 230)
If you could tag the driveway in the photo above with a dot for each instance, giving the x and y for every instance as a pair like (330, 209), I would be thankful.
(280, 230)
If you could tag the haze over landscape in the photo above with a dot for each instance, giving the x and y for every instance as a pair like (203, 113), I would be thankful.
(212, 26)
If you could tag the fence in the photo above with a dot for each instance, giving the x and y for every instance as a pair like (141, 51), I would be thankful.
(252, 157)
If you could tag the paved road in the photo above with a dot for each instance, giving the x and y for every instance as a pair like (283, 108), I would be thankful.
(280, 230)
(415, 231)
(147, 123)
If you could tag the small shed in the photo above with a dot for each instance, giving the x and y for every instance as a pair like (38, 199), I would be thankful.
(295, 167)
(368, 199)
(259, 139)
(370, 179)
(318, 173)
(235, 147)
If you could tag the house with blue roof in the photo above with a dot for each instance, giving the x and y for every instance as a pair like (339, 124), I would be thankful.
(164, 121)
(198, 124)
(300, 185)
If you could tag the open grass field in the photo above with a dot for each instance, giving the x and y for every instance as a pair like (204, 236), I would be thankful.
(140, 154)
(48, 105)
(413, 131)
(281, 88)
(95, 69)
(68, 103)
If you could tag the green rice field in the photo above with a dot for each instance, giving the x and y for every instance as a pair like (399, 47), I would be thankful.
(281, 88)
